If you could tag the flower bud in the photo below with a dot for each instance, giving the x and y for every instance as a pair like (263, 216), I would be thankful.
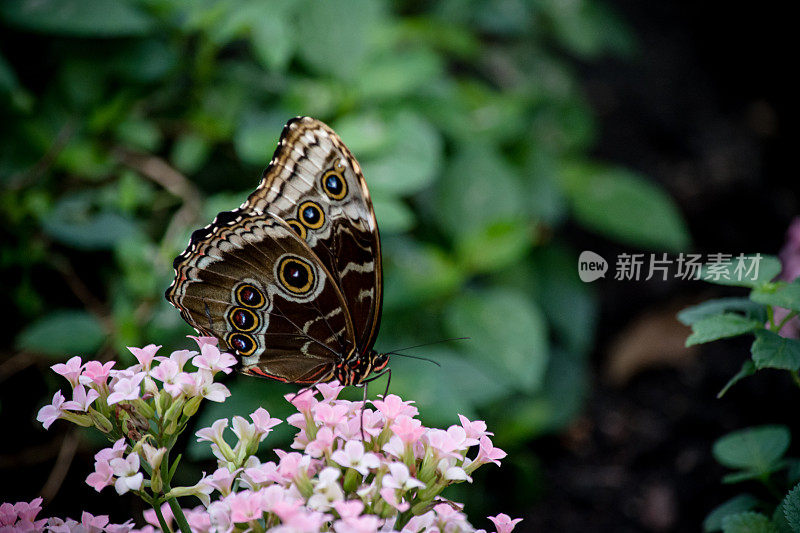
(192, 405)
(144, 409)
(173, 414)
(78, 419)
(100, 422)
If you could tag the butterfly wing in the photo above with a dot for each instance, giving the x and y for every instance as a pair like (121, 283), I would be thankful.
(316, 185)
(250, 281)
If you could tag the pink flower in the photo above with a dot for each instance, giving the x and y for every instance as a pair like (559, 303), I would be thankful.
(322, 444)
(303, 401)
(329, 414)
(261, 475)
(102, 477)
(330, 391)
(179, 357)
(166, 511)
(213, 433)
(474, 430)
(349, 508)
(126, 389)
(450, 519)
(361, 524)
(71, 370)
(487, 453)
(127, 472)
(81, 400)
(50, 413)
(201, 341)
(245, 506)
(144, 355)
(222, 479)
(393, 406)
(96, 374)
(292, 464)
(353, 456)
(212, 360)
(263, 422)
(117, 450)
(407, 428)
(326, 489)
(503, 522)
(442, 442)
(166, 371)
(93, 524)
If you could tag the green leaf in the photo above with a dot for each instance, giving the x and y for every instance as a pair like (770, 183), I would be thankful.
(83, 18)
(412, 160)
(495, 246)
(190, 152)
(736, 505)
(742, 270)
(394, 215)
(398, 74)
(770, 350)
(748, 522)
(257, 135)
(747, 370)
(791, 508)
(416, 273)
(625, 206)
(271, 35)
(477, 190)
(63, 333)
(507, 330)
(756, 449)
(779, 294)
(74, 222)
(690, 315)
(713, 327)
(139, 133)
(333, 36)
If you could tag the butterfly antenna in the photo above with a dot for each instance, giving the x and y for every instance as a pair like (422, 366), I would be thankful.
(429, 343)
(415, 357)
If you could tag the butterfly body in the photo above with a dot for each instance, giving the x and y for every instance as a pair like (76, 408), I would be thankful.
(291, 281)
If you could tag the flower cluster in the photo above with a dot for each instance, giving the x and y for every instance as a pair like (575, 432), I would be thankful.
(354, 467)
(21, 516)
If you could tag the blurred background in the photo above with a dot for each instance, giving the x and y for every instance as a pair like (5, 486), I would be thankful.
(499, 139)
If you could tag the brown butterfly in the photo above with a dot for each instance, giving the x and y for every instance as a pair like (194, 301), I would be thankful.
(291, 281)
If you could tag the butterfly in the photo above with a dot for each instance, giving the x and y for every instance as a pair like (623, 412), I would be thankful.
(291, 281)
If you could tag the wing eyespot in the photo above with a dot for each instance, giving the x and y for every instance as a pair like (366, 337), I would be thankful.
(250, 296)
(334, 185)
(311, 215)
(243, 319)
(296, 275)
(242, 343)
(298, 228)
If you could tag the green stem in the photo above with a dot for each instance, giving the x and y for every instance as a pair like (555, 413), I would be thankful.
(786, 319)
(161, 522)
(177, 512)
(771, 317)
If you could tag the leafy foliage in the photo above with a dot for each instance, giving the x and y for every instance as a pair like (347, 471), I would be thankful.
(756, 453)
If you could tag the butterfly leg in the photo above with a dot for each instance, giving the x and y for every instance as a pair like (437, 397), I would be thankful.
(365, 384)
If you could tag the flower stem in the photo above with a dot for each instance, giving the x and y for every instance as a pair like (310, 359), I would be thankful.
(177, 512)
(161, 522)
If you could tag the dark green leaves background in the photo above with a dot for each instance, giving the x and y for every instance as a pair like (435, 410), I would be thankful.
(126, 124)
